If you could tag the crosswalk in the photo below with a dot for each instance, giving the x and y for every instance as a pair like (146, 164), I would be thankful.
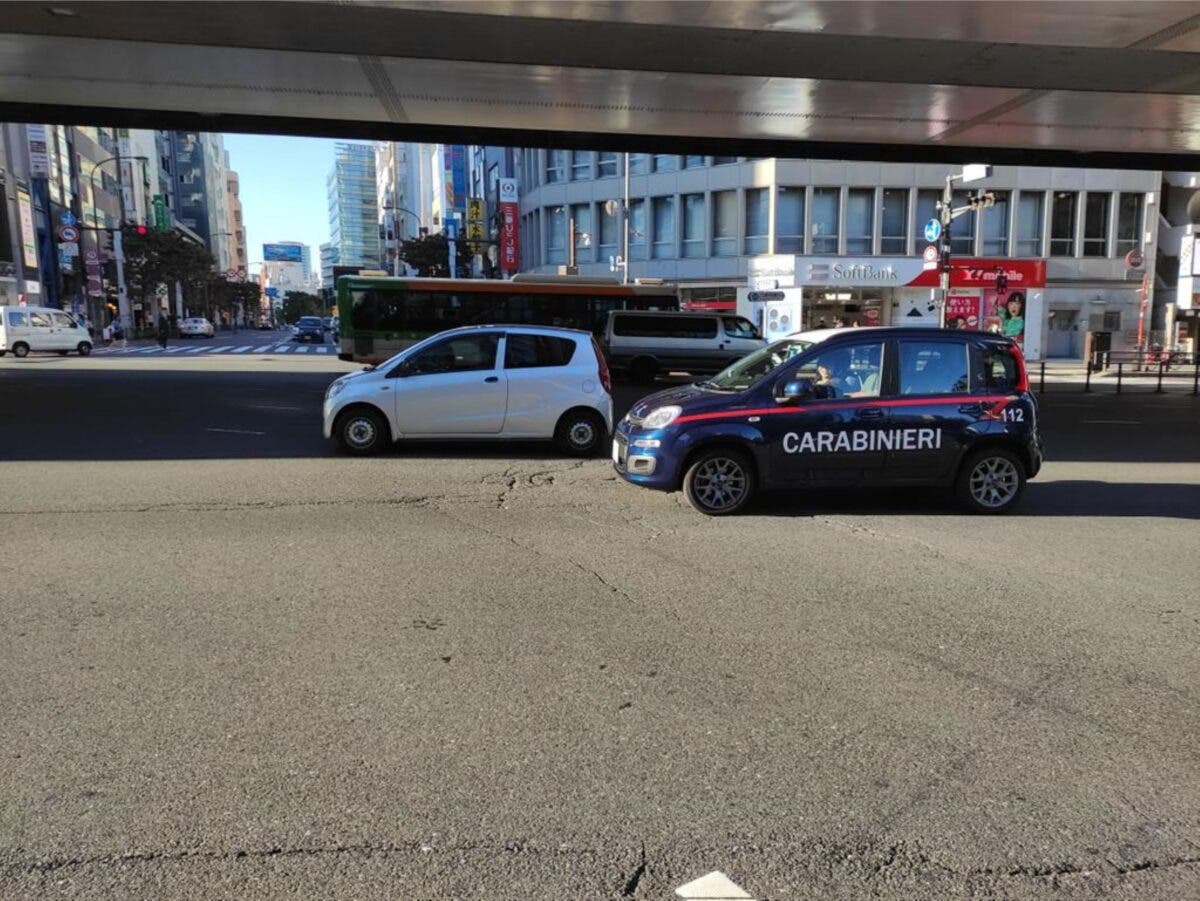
(186, 350)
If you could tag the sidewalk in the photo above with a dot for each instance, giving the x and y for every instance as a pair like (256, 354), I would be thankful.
(1074, 373)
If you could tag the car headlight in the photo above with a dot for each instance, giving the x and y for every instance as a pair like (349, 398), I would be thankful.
(335, 389)
(663, 416)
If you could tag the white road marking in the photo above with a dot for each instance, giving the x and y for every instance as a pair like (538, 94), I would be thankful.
(242, 350)
(219, 350)
(263, 349)
(282, 349)
(173, 350)
(196, 350)
(236, 431)
(301, 349)
(714, 886)
(150, 350)
(322, 350)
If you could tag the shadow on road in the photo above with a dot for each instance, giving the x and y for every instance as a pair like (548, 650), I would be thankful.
(1057, 498)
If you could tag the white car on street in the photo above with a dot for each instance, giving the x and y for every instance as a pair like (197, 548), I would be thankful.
(196, 327)
(484, 383)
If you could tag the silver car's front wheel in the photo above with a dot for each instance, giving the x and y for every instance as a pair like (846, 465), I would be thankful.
(361, 432)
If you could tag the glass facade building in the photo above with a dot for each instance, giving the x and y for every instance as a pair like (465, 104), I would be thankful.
(353, 206)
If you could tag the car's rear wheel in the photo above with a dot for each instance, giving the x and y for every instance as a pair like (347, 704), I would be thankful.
(991, 481)
(362, 431)
(720, 482)
(580, 433)
(84, 348)
(20, 349)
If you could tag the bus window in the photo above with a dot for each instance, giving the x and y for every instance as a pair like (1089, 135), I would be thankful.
(364, 310)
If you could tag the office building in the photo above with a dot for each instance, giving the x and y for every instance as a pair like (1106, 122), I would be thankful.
(353, 206)
(849, 235)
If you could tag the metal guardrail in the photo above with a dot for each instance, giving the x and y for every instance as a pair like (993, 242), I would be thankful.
(1152, 363)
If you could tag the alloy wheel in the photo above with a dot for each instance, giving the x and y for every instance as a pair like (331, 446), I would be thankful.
(994, 482)
(720, 483)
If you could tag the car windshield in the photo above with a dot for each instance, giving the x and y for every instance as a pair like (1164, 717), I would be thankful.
(745, 372)
(310, 320)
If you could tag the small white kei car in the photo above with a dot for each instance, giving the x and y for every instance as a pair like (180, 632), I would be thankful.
(196, 327)
(492, 382)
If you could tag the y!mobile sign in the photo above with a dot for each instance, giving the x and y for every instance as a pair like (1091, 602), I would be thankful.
(510, 239)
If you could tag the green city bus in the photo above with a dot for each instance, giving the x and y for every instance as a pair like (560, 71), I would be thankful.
(378, 317)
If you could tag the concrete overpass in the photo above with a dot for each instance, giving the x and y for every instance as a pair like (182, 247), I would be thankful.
(1108, 83)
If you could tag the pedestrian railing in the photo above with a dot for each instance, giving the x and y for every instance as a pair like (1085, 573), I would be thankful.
(1116, 367)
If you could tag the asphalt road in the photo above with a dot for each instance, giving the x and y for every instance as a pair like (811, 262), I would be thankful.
(234, 664)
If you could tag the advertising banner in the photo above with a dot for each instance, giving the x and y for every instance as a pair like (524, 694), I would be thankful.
(28, 236)
(458, 172)
(91, 265)
(283, 253)
(39, 154)
(510, 238)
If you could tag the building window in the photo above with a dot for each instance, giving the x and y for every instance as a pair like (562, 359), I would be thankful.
(1062, 225)
(664, 227)
(757, 219)
(584, 236)
(724, 223)
(609, 223)
(860, 220)
(556, 234)
(825, 220)
(962, 231)
(893, 221)
(665, 163)
(995, 227)
(637, 229)
(581, 165)
(639, 164)
(693, 162)
(1129, 223)
(694, 224)
(606, 164)
(1095, 225)
(556, 166)
(789, 220)
(1029, 225)
(723, 160)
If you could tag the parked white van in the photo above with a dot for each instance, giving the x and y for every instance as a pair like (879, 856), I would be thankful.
(27, 329)
(645, 343)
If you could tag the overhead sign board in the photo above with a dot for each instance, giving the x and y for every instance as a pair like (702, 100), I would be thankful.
(283, 253)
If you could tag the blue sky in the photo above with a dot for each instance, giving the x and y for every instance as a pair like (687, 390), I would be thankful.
(282, 182)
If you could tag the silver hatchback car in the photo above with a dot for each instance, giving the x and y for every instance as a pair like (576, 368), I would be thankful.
(479, 383)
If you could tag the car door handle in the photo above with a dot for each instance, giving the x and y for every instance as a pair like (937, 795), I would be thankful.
(971, 409)
(872, 413)
(492, 378)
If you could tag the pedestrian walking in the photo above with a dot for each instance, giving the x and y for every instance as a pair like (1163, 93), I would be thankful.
(118, 333)
(107, 334)
(164, 332)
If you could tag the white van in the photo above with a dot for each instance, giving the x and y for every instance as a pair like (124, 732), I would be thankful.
(25, 329)
(645, 343)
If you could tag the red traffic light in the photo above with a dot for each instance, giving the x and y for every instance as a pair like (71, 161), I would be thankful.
(142, 230)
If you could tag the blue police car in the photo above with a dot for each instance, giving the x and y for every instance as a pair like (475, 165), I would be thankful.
(843, 407)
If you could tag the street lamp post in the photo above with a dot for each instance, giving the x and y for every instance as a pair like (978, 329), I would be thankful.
(118, 242)
(396, 234)
(947, 214)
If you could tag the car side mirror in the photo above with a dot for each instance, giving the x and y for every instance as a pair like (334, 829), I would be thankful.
(795, 390)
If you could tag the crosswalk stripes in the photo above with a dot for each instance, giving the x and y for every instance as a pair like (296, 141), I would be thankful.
(241, 350)
(302, 350)
(173, 350)
(196, 350)
(263, 349)
(188, 349)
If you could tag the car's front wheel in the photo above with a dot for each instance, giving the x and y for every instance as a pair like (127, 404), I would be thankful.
(84, 348)
(361, 431)
(720, 482)
(991, 481)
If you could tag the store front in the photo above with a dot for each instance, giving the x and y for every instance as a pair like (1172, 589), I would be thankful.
(869, 291)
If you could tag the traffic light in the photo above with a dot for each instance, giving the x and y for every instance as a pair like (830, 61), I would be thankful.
(141, 230)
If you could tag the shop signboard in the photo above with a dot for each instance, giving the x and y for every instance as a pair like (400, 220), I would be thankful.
(766, 273)
(39, 155)
(28, 237)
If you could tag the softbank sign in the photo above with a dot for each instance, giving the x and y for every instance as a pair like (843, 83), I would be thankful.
(860, 271)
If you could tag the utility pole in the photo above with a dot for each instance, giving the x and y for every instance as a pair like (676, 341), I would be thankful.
(625, 225)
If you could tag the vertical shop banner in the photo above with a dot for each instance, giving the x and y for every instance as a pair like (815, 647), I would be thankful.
(28, 235)
(458, 173)
(39, 153)
(510, 239)
(91, 265)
